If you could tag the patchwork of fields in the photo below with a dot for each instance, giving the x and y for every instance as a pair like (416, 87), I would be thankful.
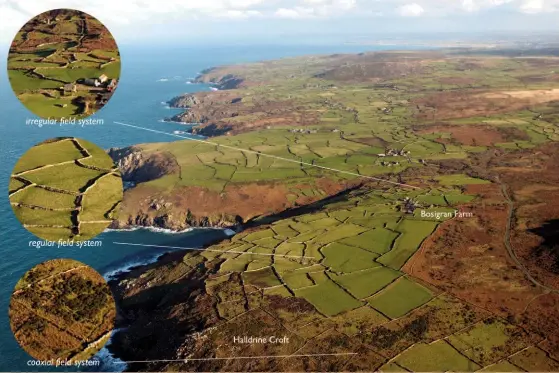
(375, 127)
(332, 280)
(63, 63)
(439, 273)
(65, 188)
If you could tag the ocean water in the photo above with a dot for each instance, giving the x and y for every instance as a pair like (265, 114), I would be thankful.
(150, 76)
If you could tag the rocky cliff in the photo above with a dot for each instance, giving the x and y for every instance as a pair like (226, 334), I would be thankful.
(220, 80)
(210, 110)
(185, 101)
(150, 207)
(136, 166)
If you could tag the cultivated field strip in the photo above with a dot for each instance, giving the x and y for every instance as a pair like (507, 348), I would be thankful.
(54, 59)
(447, 123)
(356, 293)
(44, 190)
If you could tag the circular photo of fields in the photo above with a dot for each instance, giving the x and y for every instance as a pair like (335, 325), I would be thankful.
(63, 64)
(65, 189)
(62, 309)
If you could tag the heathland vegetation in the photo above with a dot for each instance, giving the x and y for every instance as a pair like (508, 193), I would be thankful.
(62, 309)
(421, 243)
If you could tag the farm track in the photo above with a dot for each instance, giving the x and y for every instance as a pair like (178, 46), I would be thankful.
(35, 207)
(509, 247)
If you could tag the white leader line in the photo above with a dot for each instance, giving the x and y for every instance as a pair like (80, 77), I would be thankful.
(215, 251)
(236, 358)
(271, 156)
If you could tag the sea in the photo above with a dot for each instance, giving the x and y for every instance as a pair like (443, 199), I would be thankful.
(150, 76)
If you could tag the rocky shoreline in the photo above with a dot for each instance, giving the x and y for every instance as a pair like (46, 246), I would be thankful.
(137, 302)
(235, 107)
(157, 211)
(147, 294)
(167, 222)
(195, 104)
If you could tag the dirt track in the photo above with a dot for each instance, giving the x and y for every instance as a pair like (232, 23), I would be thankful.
(510, 249)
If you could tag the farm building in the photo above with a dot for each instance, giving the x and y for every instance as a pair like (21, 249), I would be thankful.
(69, 88)
(103, 78)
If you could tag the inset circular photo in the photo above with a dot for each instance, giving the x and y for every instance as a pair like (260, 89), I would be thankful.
(63, 63)
(62, 309)
(65, 189)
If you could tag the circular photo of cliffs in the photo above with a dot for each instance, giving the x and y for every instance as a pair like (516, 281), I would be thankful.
(62, 309)
(63, 63)
(65, 189)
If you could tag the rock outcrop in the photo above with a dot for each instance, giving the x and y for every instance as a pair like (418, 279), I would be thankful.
(222, 82)
(185, 101)
(136, 166)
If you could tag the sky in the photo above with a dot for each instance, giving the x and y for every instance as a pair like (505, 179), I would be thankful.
(313, 21)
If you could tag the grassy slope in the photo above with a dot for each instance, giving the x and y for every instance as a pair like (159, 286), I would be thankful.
(351, 250)
(352, 127)
(37, 51)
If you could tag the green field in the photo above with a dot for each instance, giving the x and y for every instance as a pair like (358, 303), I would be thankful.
(378, 240)
(441, 358)
(400, 298)
(350, 282)
(56, 196)
(99, 199)
(328, 298)
(489, 341)
(63, 176)
(39, 196)
(460, 180)
(413, 234)
(363, 284)
(261, 278)
(343, 258)
(39, 64)
(48, 153)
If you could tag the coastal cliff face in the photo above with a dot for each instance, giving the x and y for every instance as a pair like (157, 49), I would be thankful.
(162, 194)
(137, 167)
(234, 108)
(148, 207)
(221, 80)
(208, 110)
(185, 101)
(158, 197)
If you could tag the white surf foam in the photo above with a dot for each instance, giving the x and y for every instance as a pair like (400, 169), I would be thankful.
(131, 264)
(108, 361)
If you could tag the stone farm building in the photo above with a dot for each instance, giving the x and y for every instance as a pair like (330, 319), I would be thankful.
(69, 88)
